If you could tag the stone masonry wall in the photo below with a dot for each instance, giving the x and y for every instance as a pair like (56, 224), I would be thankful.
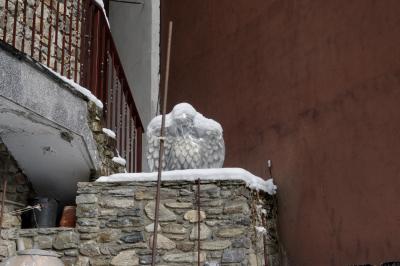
(68, 31)
(115, 222)
(17, 194)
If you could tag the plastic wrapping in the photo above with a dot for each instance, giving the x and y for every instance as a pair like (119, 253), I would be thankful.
(191, 140)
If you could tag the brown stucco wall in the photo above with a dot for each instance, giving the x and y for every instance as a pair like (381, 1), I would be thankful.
(314, 86)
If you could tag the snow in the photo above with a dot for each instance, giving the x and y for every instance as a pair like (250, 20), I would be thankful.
(78, 87)
(252, 181)
(101, 4)
(119, 160)
(109, 133)
(261, 230)
(183, 111)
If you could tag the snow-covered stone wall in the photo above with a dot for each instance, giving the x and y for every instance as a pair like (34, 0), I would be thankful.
(115, 221)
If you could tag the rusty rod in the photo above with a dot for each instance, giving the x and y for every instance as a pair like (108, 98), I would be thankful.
(198, 222)
(161, 152)
(15, 23)
(3, 199)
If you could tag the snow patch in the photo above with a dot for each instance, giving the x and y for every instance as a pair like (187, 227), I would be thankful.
(261, 230)
(109, 133)
(77, 87)
(101, 4)
(252, 181)
(184, 111)
(119, 160)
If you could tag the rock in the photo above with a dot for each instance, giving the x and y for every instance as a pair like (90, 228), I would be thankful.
(108, 235)
(174, 229)
(66, 240)
(176, 236)
(86, 198)
(135, 237)
(7, 248)
(120, 222)
(87, 222)
(163, 242)
(122, 192)
(150, 228)
(179, 205)
(125, 258)
(233, 255)
(187, 257)
(236, 207)
(43, 241)
(71, 253)
(185, 246)
(147, 259)
(86, 210)
(191, 216)
(242, 242)
(89, 249)
(165, 215)
(137, 212)
(82, 261)
(213, 211)
(215, 244)
(114, 202)
(205, 232)
(144, 195)
(230, 232)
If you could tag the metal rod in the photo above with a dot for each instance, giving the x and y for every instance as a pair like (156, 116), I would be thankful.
(198, 222)
(78, 17)
(70, 38)
(5, 22)
(3, 198)
(23, 27)
(161, 153)
(64, 31)
(56, 35)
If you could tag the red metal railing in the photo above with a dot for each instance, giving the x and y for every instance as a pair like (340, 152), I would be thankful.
(73, 38)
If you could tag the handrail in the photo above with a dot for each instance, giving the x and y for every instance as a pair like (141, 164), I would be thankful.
(73, 38)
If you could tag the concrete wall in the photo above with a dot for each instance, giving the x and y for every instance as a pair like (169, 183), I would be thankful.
(314, 86)
(135, 28)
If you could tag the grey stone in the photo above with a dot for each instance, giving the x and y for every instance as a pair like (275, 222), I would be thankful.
(234, 255)
(87, 222)
(205, 232)
(150, 228)
(215, 244)
(133, 238)
(86, 198)
(86, 210)
(179, 205)
(125, 258)
(192, 216)
(71, 253)
(108, 235)
(120, 222)
(174, 229)
(187, 257)
(242, 242)
(165, 215)
(144, 195)
(43, 241)
(124, 192)
(213, 211)
(163, 242)
(232, 207)
(147, 259)
(89, 249)
(185, 246)
(66, 240)
(113, 202)
(130, 212)
(230, 232)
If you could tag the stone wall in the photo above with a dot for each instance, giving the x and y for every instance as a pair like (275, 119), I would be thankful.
(65, 31)
(115, 221)
(17, 194)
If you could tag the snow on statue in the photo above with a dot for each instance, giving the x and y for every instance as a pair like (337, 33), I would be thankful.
(192, 141)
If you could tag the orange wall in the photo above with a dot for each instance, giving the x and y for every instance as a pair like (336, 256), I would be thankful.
(314, 86)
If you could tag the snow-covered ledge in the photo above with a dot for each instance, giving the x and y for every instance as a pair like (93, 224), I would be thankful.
(252, 181)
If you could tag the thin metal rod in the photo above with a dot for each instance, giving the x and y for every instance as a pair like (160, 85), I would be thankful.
(161, 154)
(3, 198)
(198, 222)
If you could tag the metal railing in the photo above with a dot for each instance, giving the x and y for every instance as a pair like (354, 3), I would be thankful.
(73, 38)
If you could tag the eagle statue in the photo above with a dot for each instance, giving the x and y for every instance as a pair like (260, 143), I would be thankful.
(191, 140)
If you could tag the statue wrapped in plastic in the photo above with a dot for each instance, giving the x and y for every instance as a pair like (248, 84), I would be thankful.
(191, 140)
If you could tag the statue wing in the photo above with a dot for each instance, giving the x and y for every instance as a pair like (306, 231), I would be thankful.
(213, 149)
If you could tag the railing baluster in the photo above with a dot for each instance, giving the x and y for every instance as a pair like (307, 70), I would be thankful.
(120, 114)
(5, 21)
(64, 32)
(49, 37)
(56, 35)
(15, 22)
(23, 27)
(71, 11)
(33, 30)
(78, 18)
(41, 30)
